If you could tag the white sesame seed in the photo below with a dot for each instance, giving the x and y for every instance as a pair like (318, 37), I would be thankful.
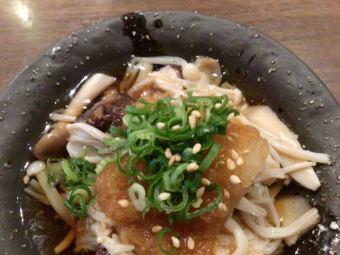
(172, 160)
(192, 121)
(230, 116)
(200, 192)
(100, 239)
(160, 125)
(230, 139)
(222, 207)
(239, 161)
(234, 154)
(175, 241)
(197, 203)
(231, 164)
(176, 127)
(197, 148)
(173, 102)
(235, 179)
(123, 203)
(26, 179)
(230, 103)
(192, 167)
(191, 243)
(226, 193)
(196, 113)
(235, 135)
(164, 196)
(245, 151)
(177, 157)
(156, 229)
(168, 153)
(205, 181)
(218, 105)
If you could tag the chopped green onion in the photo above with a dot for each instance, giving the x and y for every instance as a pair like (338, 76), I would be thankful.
(160, 235)
(209, 158)
(79, 199)
(137, 195)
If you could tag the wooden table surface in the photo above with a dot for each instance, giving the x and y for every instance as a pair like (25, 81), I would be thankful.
(311, 29)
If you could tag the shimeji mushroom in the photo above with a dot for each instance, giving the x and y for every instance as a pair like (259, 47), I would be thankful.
(53, 143)
(211, 68)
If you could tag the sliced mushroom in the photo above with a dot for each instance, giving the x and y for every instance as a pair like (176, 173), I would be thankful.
(266, 119)
(53, 143)
(129, 78)
(290, 208)
(211, 67)
(144, 70)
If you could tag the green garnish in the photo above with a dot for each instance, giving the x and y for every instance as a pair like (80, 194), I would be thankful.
(77, 176)
(160, 236)
(79, 199)
(80, 175)
(172, 180)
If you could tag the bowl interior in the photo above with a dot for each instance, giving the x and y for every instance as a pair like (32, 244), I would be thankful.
(264, 70)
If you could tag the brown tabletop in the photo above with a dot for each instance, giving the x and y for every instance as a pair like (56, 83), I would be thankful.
(311, 29)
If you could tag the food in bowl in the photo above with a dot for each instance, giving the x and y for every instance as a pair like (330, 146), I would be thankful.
(171, 160)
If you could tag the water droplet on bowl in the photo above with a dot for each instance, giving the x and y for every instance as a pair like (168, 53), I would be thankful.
(158, 23)
(7, 164)
(271, 70)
